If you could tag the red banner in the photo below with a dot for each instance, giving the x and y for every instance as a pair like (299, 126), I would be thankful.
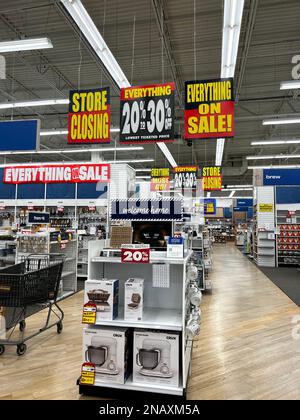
(44, 174)
(135, 255)
(209, 109)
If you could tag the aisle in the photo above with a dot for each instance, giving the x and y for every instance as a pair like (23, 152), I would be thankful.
(246, 349)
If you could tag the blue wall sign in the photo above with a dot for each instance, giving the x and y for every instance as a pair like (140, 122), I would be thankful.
(281, 177)
(19, 135)
(167, 209)
(210, 206)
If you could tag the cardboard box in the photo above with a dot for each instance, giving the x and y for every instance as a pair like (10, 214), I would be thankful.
(156, 357)
(105, 294)
(110, 351)
(133, 299)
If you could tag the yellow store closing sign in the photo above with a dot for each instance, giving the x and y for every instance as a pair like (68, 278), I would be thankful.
(265, 208)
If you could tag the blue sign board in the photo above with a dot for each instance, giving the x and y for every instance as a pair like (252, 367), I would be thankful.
(244, 202)
(175, 240)
(210, 206)
(167, 209)
(281, 177)
(19, 135)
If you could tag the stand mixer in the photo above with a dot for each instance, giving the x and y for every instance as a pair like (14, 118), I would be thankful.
(154, 358)
(103, 354)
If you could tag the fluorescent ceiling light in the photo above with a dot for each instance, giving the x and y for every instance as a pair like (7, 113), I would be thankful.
(261, 157)
(232, 20)
(143, 170)
(281, 121)
(274, 142)
(290, 84)
(143, 177)
(208, 194)
(86, 25)
(240, 186)
(232, 194)
(129, 161)
(5, 165)
(238, 189)
(274, 167)
(25, 45)
(72, 151)
(167, 154)
(41, 102)
(61, 131)
(219, 151)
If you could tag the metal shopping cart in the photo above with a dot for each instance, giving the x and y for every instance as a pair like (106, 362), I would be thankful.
(33, 281)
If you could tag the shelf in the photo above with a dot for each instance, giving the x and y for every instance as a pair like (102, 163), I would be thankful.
(70, 259)
(155, 318)
(143, 387)
(67, 273)
(8, 259)
(82, 262)
(82, 275)
(152, 260)
(65, 295)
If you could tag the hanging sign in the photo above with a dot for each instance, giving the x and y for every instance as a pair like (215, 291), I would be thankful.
(160, 179)
(135, 254)
(147, 113)
(89, 116)
(210, 206)
(211, 178)
(167, 209)
(209, 109)
(38, 218)
(185, 176)
(56, 173)
(22, 135)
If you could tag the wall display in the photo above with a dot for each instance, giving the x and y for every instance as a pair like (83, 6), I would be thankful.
(22, 135)
(160, 179)
(89, 116)
(211, 178)
(209, 109)
(56, 173)
(147, 113)
(148, 210)
(185, 177)
(210, 206)
(38, 218)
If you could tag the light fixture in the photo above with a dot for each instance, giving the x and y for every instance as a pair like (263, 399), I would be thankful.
(262, 157)
(208, 194)
(163, 147)
(86, 25)
(130, 161)
(281, 121)
(73, 151)
(143, 177)
(5, 165)
(290, 84)
(274, 142)
(143, 170)
(25, 45)
(219, 151)
(231, 194)
(61, 131)
(238, 189)
(274, 167)
(232, 21)
(39, 102)
(240, 186)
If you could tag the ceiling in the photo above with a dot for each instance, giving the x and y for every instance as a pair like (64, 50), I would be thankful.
(269, 39)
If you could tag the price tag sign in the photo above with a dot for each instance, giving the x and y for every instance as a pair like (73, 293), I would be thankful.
(185, 177)
(139, 254)
(147, 113)
(87, 374)
(89, 313)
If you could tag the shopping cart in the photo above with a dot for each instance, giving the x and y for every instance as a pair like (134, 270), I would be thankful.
(33, 281)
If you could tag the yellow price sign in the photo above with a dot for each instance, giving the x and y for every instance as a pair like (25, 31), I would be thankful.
(89, 313)
(87, 374)
(265, 208)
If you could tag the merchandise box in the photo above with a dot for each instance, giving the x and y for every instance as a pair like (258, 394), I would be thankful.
(110, 351)
(156, 357)
(105, 294)
(133, 299)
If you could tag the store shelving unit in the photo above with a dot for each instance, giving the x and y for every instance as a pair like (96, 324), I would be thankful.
(164, 308)
(288, 237)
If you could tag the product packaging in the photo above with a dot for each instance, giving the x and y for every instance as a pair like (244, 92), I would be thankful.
(133, 299)
(110, 351)
(105, 294)
(156, 357)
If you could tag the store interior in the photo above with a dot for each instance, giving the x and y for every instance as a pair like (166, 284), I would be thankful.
(149, 199)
